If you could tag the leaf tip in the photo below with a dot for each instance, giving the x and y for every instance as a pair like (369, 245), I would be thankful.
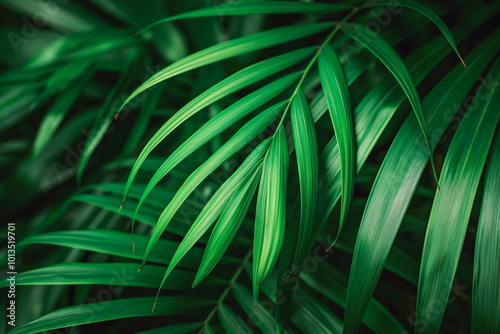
(154, 305)
(463, 62)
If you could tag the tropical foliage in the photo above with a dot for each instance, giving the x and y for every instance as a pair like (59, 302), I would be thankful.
(251, 166)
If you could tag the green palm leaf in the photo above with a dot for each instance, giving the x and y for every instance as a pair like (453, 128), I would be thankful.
(485, 290)
(114, 243)
(402, 169)
(450, 214)
(270, 211)
(233, 83)
(425, 11)
(337, 99)
(65, 72)
(383, 51)
(110, 310)
(229, 49)
(220, 123)
(306, 147)
(231, 322)
(217, 204)
(120, 274)
(253, 7)
(331, 283)
(228, 225)
(246, 134)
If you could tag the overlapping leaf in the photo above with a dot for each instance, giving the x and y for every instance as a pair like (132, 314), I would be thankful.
(371, 117)
(124, 274)
(337, 98)
(450, 214)
(402, 169)
(383, 51)
(114, 243)
(245, 135)
(231, 322)
(423, 10)
(233, 83)
(216, 206)
(110, 310)
(222, 121)
(306, 148)
(485, 290)
(228, 225)
(230, 49)
(270, 211)
(254, 7)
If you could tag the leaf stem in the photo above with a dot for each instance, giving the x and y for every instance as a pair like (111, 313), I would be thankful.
(313, 60)
(226, 291)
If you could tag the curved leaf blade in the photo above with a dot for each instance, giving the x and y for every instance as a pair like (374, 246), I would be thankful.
(334, 85)
(233, 83)
(383, 51)
(246, 134)
(114, 243)
(217, 204)
(270, 211)
(425, 11)
(332, 283)
(306, 148)
(220, 123)
(253, 7)
(228, 225)
(124, 274)
(116, 309)
(231, 322)
(485, 288)
(450, 214)
(229, 49)
(402, 168)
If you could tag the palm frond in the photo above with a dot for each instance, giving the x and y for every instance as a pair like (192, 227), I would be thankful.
(209, 145)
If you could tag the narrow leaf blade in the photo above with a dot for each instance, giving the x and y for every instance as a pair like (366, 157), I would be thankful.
(383, 51)
(334, 85)
(485, 288)
(450, 214)
(270, 212)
